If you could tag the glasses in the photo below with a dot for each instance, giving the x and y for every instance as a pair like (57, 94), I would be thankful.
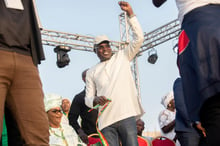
(56, 111)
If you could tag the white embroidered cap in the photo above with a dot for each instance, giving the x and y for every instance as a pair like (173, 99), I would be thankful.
(51, 101)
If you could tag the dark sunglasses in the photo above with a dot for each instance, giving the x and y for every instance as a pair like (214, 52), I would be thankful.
(56, 111)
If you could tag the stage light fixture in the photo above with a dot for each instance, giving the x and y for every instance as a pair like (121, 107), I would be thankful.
(62, 56)
(175, 48)
(152, 56)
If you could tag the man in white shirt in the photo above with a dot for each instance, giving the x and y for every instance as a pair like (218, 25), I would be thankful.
(198, 62)
(112, 80)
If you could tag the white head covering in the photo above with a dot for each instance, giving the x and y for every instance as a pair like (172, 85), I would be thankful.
(51, 101)
(167, 98)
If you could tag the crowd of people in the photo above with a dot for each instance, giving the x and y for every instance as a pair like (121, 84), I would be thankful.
(192, 109)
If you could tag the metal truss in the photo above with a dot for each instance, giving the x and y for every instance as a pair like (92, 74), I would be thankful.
(160, 35)
(85, 43)
(125, 34)
(73, 41)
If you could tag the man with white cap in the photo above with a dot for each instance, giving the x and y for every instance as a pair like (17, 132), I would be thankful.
(167, 116)
(60, 134)
(111, 81)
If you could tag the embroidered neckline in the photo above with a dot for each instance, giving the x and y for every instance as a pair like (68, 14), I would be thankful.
(59, 136)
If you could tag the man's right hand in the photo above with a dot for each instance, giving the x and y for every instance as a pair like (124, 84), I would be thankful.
(200, 129)
(125, 6)
(101, 100)
(83, 136)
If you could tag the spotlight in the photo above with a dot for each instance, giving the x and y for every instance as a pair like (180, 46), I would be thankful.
(152, 56)
(62, 56)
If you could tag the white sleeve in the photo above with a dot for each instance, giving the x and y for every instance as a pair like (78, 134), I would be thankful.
(163, 117)
(137, 38)
(90, 89)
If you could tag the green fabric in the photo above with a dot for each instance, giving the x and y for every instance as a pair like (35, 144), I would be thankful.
(97, 144)
(4, 134)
